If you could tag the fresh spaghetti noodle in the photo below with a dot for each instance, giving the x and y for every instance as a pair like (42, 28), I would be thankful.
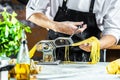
(66, 57)
(95, 48)
(32, 51)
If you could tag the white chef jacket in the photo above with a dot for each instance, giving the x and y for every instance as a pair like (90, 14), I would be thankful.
(107, 12)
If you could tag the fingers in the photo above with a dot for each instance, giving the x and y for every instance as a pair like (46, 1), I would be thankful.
(69, 28)
(74, 26)
(86, 47)
(78, 23)
(82, 28)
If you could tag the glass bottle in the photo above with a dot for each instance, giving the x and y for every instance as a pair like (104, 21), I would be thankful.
(22, 67)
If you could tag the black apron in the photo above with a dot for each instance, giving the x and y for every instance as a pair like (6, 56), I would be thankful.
(65, 14)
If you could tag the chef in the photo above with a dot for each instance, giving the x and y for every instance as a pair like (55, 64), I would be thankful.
(99, 18)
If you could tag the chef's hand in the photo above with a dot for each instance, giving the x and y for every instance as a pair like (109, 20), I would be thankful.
(68, 27)
(106, 41)
(86, 47)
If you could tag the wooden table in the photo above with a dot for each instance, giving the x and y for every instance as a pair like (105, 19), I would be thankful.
(115, 47)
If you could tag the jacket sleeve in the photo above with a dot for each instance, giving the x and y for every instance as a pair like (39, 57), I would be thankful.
(36, 6)
(111, 19)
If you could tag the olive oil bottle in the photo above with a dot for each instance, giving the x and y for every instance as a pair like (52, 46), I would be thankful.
(22, 68)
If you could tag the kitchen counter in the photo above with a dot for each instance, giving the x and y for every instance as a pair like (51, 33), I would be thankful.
(76, 71)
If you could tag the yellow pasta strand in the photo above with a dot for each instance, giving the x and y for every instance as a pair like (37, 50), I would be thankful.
(113, 67)
(32, 51)
(67, 59)
(95, 48)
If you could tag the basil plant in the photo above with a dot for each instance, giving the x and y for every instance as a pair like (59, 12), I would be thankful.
(10, 33)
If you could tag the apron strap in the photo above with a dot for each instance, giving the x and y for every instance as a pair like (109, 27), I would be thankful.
(64, 4)
(90, 9)
(91, 6)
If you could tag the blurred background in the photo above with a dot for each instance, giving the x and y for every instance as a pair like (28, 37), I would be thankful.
(37, 34)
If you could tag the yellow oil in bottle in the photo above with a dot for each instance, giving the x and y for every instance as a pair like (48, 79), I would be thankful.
(22, 68)
(22, 72)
